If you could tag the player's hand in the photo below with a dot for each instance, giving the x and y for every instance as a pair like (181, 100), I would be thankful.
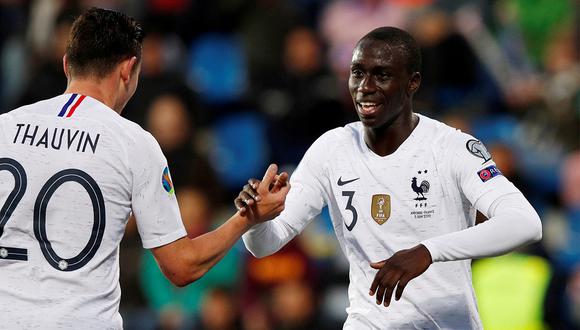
(249, 194)
(397, 271)
(263, 200)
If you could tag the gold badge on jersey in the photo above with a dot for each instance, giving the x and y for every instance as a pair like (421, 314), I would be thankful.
(381, 208)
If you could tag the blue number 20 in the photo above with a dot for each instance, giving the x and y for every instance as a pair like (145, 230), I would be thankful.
(46, 192)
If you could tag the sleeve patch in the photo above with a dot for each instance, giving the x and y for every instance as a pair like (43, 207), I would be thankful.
(166, 181)
(488, 173)
(476, 148)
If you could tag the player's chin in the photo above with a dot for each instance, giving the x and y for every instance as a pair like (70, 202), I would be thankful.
(369, 121)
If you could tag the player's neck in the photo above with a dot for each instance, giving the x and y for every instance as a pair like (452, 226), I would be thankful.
(386, 140)
(101, 90)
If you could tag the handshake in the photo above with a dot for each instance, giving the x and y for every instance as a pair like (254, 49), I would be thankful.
(263, 200)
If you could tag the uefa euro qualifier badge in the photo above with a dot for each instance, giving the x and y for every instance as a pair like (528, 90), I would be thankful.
(166, 181)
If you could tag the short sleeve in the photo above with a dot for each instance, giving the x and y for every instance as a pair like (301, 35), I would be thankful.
(154, 203)
(477, 175)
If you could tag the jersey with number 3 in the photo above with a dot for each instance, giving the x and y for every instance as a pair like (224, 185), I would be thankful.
(430, 186)
(71, 172)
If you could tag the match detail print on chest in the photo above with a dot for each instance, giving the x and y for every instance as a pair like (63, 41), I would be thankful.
(414, 194)
(423, 198)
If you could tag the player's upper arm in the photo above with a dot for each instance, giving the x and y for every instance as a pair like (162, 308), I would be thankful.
(477, 175)
(303, 203)
(153, 197)
(310, 182)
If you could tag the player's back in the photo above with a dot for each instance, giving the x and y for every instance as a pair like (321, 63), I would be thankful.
(66, 185)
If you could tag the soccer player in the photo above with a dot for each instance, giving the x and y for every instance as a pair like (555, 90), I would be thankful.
(403, 190)
(72, 170)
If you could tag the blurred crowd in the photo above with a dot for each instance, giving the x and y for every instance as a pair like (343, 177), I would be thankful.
(228, 86)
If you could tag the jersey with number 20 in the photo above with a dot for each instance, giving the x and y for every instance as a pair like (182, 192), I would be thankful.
(71, 172)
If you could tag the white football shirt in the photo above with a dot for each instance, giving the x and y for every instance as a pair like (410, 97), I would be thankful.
(430, 186)
(71, 171)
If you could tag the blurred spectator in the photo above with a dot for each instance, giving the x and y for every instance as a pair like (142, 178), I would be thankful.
(571, 181)
(220, 311)
(42, 25)
(505, 159)
(295, 307)
(290, 264)
(46, 76)
(305, 95)
(536, 80)
(450, 76)
(177, 307)
(169, 120)
(263, 29)
(562, 228)
(344, 22)
(13, 20)
(162, 69)
(540, 21)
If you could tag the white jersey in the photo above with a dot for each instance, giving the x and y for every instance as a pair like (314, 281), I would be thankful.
(71, 171)
(429, 186)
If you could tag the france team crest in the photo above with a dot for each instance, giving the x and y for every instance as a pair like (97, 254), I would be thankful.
(166, 181)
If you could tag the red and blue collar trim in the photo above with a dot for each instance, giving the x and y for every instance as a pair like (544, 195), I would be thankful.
(68, 110)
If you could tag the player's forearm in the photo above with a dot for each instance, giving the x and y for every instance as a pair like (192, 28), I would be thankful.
(205, 251)
(267, 238)
(514, 223)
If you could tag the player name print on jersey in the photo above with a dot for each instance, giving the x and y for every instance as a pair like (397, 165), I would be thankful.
(56, 138)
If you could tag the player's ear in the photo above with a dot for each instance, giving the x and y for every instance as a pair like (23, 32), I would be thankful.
(414, 83)
(65, 66)
(127, 67)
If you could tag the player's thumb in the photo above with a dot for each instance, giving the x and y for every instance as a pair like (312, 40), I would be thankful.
(378, 265)
(269, 176)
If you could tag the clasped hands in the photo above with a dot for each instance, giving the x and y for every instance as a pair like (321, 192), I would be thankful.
(263, 200)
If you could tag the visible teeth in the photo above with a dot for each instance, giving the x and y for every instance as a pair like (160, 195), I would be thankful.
(368, 104)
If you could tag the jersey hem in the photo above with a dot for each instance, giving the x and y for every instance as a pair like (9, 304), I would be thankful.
(165, 239)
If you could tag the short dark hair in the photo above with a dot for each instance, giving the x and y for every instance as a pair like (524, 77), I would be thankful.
(397, 37)
(100, 39)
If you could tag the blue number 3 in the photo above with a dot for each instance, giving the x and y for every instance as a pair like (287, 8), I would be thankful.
(46, 192)
(351, 208)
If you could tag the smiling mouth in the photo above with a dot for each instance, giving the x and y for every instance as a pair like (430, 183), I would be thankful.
(368, 108)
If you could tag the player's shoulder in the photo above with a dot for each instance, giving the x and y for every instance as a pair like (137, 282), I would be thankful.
(137, 133)
(445, 136)
(455, 146)
(31, 108)
(339, 136)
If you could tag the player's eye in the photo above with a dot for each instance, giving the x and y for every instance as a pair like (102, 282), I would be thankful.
(384, 76)
(356, 73)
